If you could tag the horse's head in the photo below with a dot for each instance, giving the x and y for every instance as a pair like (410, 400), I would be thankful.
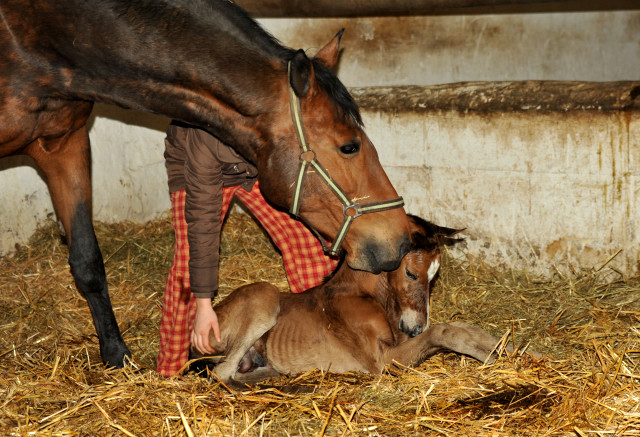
(411, 282)
(331, 170)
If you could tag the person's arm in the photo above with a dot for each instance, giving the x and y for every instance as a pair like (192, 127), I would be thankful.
(203, 180)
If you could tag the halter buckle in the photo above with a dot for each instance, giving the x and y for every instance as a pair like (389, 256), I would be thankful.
(352, 210)
(308, 155)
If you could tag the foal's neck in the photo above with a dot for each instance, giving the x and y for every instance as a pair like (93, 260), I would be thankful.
(348, 280)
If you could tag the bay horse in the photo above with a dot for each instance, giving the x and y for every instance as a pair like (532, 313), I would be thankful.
(204, 62)
(355, 322)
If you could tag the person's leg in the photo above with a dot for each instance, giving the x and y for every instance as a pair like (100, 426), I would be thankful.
(178, 304)
(304, 260)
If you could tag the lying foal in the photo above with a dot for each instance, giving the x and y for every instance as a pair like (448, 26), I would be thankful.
(356, 321)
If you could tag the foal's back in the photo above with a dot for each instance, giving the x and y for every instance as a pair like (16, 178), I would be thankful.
(330, 328)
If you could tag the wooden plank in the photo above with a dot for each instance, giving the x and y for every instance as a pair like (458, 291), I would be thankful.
(524, 96)
(361, 8)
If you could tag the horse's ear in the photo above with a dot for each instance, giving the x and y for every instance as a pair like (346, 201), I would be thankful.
(301, 73)
(328, 55)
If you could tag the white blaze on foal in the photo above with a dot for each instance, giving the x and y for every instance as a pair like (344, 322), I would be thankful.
(433, 269)
(431, 273)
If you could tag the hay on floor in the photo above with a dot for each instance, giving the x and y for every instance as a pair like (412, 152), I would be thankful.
(52, 382)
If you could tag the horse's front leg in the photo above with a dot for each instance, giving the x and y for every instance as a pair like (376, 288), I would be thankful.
(66, 163)
(456, 337)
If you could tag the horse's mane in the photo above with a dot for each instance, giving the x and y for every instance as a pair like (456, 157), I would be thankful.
(342, 101)
(238, 24)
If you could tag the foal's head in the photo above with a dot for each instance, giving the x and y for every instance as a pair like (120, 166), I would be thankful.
(411, 282)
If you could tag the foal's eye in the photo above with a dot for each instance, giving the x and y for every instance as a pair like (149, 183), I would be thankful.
(410, 275)
(350, 148)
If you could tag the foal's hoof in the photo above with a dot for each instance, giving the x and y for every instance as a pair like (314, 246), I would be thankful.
(255, 376)
(199, 365)
(202, 368)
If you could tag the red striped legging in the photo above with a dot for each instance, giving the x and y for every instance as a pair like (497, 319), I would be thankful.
(305, 264)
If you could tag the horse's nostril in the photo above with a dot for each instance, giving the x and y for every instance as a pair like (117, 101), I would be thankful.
(415, 331)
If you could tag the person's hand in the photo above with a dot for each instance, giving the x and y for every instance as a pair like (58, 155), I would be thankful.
(206, 320)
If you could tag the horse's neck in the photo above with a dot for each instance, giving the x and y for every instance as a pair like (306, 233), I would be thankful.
(209, 67)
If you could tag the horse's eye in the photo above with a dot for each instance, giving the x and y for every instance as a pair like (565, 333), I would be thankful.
(350, 148)
(410, 275)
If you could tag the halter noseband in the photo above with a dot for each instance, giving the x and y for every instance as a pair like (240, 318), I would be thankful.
(350, 209)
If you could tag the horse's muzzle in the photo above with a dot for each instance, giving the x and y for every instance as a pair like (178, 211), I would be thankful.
(377, 257)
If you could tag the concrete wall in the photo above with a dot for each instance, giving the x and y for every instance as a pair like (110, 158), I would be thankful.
(537, 188)
(129, 179)
(586, 46)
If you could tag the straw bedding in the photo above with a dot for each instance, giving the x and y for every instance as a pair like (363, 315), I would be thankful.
(52, 381)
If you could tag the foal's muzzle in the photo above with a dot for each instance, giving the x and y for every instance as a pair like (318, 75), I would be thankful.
(410, 331)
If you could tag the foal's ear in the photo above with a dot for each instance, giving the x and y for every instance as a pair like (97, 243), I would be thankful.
(301, 71)
(328, 55)
(429, 229)
(441, 231)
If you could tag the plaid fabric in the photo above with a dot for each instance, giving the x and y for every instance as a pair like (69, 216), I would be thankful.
(304, 260)
(305, 264)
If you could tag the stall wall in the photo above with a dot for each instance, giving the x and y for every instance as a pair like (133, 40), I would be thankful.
(586, 46)
(538, 190)
(130, 183)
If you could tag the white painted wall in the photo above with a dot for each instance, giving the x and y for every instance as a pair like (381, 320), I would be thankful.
(429, 50)
(534, 191)
(130, 183)
(129, 178)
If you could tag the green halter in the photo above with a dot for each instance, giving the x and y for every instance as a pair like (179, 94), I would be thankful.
(350, 209)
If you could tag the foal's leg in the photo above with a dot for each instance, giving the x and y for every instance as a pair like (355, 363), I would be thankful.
(244, 316)
(456, 337)
(66, 163)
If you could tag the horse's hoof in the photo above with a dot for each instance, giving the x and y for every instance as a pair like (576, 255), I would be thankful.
(116, 359)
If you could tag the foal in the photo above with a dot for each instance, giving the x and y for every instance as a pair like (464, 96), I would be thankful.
(356, 321)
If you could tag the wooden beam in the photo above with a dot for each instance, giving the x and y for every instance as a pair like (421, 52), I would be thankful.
(533, 96)
(356, 8)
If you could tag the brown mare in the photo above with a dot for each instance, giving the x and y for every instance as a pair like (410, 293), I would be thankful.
(356, 321)
(204, 62)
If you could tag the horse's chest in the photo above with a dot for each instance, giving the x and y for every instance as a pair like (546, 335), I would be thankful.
(25, 119)
(32, 105)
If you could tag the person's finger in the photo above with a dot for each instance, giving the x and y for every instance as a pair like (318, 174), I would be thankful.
(201, 343)
(194, 342)
(205, 346)
(215, 326)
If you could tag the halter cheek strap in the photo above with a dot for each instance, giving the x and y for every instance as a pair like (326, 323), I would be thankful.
(350, 209)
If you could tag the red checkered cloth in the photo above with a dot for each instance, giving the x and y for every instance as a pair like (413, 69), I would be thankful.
(305, 263)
